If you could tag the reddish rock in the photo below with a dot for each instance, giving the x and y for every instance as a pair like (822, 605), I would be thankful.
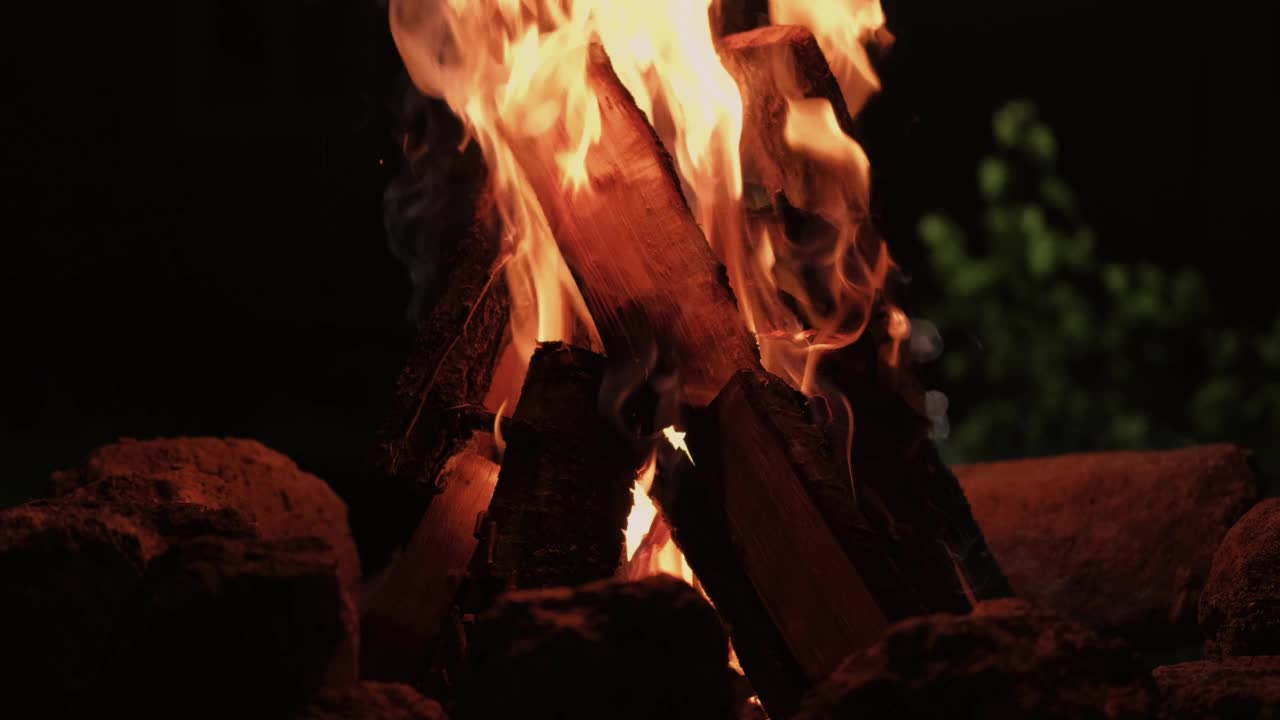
(140, 608)
(156, 589)
(371, 701)
(1120, 541)
(1240, 607)
(610, 649)
(1242, 687)
(263, 486)
(70, 577)
(1005, 660)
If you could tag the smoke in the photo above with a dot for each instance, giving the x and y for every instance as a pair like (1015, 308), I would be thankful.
(924, 346)
(420, 209)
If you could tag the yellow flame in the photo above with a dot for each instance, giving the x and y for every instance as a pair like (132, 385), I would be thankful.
(843, 28)
(664, 53)
(643, 511)
(513, 70)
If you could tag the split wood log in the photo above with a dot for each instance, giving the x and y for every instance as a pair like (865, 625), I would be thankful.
(746, 519)
(634, 249)
(772, 66)
(735, 16)
(560, 507)
(446, 377)
(901, 482)
(407, 606)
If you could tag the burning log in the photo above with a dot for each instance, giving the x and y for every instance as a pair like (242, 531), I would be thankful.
(417, 522)
(447, 375)
(636, 252)
(774, 65)
(747, 522)
(560, 506)
(901, 483)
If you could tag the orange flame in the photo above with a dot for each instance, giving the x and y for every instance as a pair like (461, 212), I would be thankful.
(514, 70)
(843, 29)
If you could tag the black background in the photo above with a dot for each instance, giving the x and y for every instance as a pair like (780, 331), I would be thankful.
(193, 237)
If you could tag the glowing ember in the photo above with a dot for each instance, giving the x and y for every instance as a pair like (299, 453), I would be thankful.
(676, 438)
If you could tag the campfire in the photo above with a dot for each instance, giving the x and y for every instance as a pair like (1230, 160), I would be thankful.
(667, 341)
(660, 448)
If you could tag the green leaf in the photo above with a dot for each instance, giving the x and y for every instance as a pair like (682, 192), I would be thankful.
(1057, 195)
(1116, 278)
(1041, 254)
(1010, 121)
(1041, 143)
(993, 177)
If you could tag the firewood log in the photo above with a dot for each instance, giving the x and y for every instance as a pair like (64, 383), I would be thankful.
(405, 608)
(637, 254)
(903, 487)
(743, 512)
(448, 372)
(560, 506)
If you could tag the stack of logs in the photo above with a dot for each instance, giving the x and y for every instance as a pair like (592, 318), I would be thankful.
(806, 551)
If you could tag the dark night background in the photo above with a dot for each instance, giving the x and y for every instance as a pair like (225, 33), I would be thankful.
(193, 237)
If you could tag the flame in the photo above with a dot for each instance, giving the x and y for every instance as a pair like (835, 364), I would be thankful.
(651, 550)
(843, 29)
(514, 70)
(643, 511)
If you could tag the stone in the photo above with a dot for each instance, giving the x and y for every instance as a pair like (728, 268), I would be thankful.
(653, 648)
(371, 701)
(1240, 607)
(263, 486)
(1005, 660)
(70, 578)
(1120, 541)
(146, 592)
(1238, 687)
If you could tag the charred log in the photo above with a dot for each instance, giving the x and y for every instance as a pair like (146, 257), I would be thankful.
(459, 343)
(903, 488)
(560, 506)
(901, 483)
(746, 519)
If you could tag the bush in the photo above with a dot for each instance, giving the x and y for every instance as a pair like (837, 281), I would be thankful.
(1052, 347)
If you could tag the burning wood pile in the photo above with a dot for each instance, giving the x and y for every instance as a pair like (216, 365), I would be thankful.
(657, 452)
(721, 321)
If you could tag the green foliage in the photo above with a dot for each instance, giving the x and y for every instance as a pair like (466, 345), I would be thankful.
(1052, 347)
